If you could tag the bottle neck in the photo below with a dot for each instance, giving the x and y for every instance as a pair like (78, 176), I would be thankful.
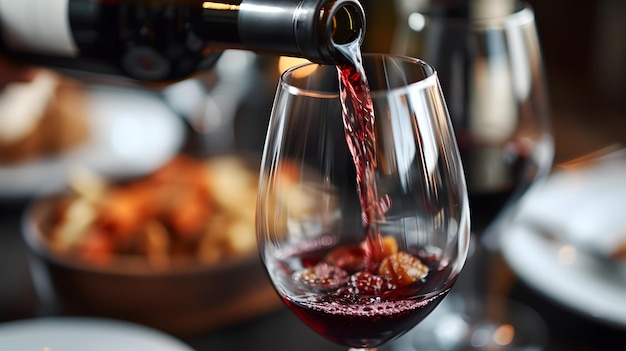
(307, 28)
(217, 22)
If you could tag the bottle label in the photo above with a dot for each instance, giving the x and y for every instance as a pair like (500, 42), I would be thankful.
(37, 26)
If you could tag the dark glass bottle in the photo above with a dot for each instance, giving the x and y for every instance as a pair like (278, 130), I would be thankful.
(161, 40)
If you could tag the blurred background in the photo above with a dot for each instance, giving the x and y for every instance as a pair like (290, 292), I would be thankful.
(225, 112)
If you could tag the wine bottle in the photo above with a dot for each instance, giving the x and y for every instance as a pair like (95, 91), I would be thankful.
(161, 40)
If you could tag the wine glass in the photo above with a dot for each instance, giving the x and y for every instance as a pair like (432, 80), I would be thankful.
(359, 279)
(488, 58)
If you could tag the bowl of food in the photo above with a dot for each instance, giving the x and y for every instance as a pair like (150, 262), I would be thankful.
(174, 250)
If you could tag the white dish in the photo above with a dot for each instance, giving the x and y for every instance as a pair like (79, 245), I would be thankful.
(583, 210)
(131, 133)
(80, 334)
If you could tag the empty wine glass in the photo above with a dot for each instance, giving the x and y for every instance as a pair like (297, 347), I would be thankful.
(488, 57)
(357, 279)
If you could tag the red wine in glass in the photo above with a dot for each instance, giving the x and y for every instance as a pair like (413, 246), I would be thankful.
(497, 176)
(358, 306)
(362, 251)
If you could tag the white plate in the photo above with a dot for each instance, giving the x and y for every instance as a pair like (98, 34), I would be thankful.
(581, 208)
(131, 133)
(80, 334)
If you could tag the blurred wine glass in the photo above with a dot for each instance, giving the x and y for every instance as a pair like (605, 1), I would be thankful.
(362, 270)
(488, 58)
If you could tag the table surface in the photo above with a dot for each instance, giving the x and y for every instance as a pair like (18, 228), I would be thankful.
(280, 330)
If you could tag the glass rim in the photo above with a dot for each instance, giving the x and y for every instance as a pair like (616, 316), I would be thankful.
(421, 84)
